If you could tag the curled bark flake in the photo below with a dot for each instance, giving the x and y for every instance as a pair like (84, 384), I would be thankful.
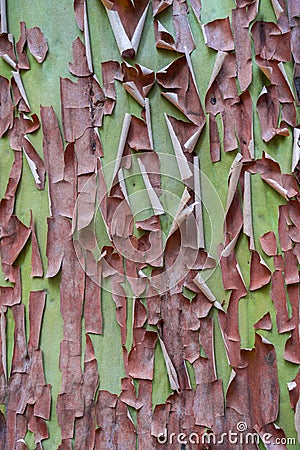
(296, 149)
(268, 112)
(268, 243)
(59, 230)
(214, 139)
(92, 306)
(79, 67)
(7, 50)
(231, 275)
(39, 428)
(232, 347)
(127, 22)
(292, 348)
(243, 396)
(36, 261)
(85, 205)
(247, 210)
(293, 388)
(197, 6)
(19, 102)
(238, 126)
(141, 357)
(200, 283)
(280, 10)
(52, 145)
(135, 277)
(265, 323)
(172, 375)
(198, 206)
(280, 87)
(82, 106)
(185, 171)
(236, 110)
(160, 5)
(270, 172)
(37, 44)
(14, 235)
(121, 146)
(283, 228)
(174, 332)
(151, 224)
(163, 38)
(290, 268)
(7, 203)
(60, 165)
(260, 273)
(294, 22)
(184, 38)
(233, 225)
(182, 91)
(12, 296)
(138, 135)
(239, 291)
(111, 71)
(154, 200)
(137, 81)
(79, 13)
(278, 296)
(218, 35)
(22, 126)
(19, 359)
(23, 62)
(242, 44)
(270, 42)
(183, 41)
(35, 163)
(18, 81)
(6, 107)
(37, 301)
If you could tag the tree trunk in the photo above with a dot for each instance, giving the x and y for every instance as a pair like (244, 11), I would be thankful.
(149, 224)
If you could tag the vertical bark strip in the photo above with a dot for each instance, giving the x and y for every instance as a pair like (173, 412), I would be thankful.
(114, 159)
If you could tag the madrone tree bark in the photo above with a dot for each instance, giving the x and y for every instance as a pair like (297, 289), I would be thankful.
(149, 224)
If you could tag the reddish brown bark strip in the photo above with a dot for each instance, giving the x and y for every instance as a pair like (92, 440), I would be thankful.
(265, 323)
(177, 79)
(85, 425)
(6, 106)
(37, 301)
(37, 44)
(36, 261)
(244, 396)
(218, 35)
(260, 274)
(268, 243)
(14, 235)
(110, 72)
(116, 429)
(92, 306)
(242, 44)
